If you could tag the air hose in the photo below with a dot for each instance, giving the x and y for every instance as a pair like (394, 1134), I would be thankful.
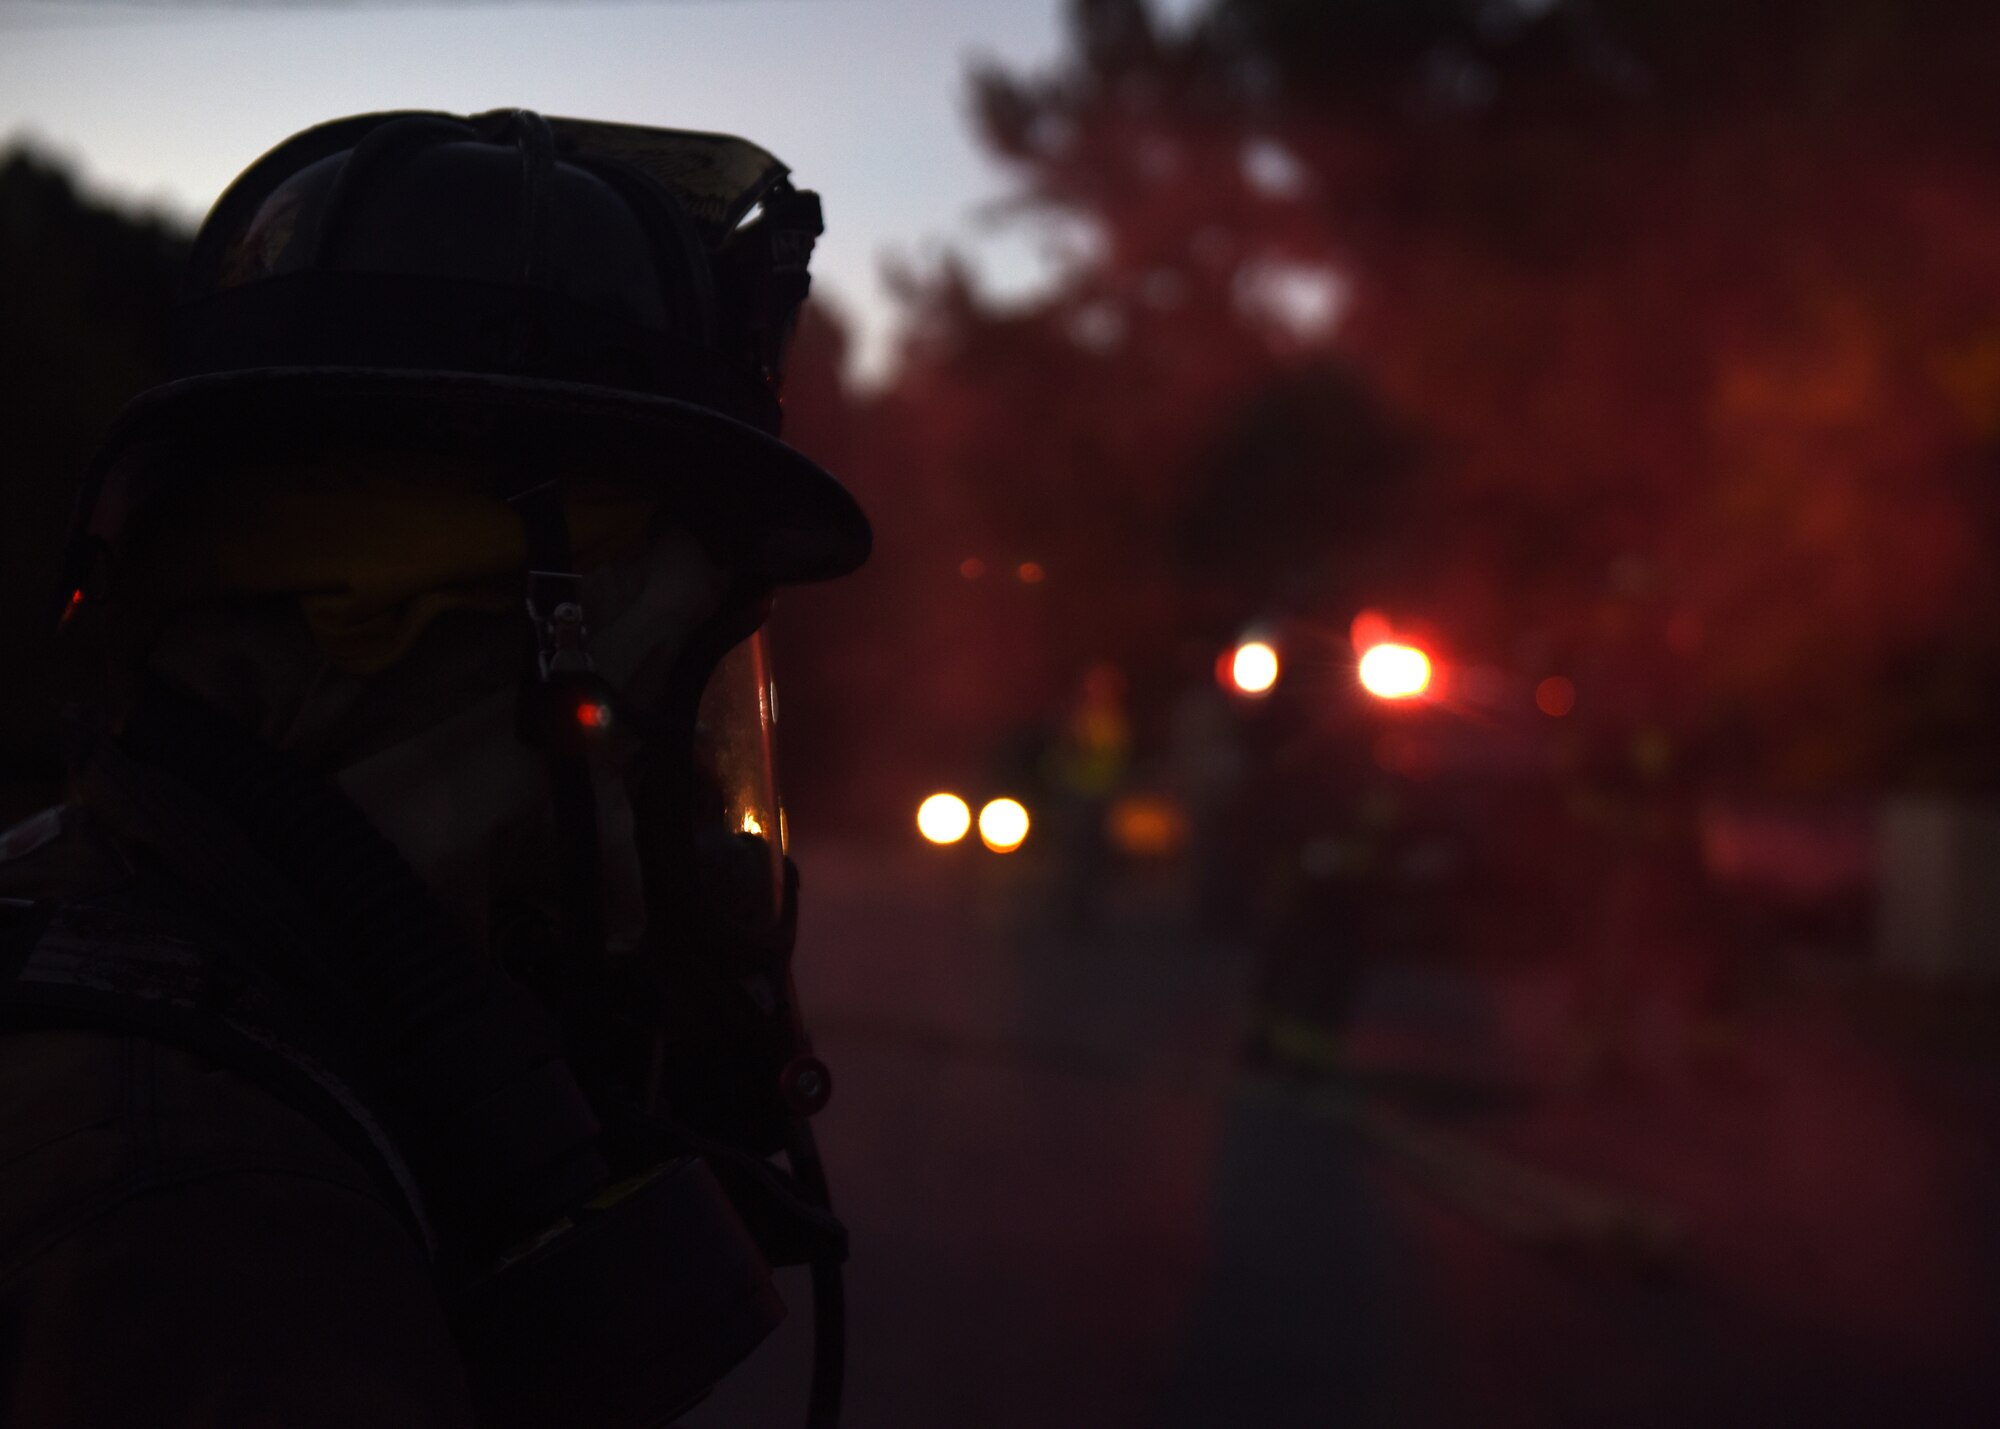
(829, 1292)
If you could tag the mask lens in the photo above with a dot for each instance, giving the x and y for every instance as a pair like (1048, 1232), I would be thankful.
(740, 821)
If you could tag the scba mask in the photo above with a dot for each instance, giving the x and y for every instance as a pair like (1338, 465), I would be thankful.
(671, 932)
(650, 746)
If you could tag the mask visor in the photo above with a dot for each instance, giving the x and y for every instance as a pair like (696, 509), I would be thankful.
(739, 815)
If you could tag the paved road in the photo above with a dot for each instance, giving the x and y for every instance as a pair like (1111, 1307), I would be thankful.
(1069, 1209)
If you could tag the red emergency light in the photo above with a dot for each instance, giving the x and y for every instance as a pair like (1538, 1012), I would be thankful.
(1390, 671)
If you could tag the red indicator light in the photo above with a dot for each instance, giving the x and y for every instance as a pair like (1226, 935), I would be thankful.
(75, 599)
(593, 715)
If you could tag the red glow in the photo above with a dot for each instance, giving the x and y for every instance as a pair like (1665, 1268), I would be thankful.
(1555, 697)
(1370, 628)
(972, 568)
(592, 715)
(75, 599)
(1031, 573)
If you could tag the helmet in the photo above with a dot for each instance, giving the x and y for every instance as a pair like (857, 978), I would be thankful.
(616, 296)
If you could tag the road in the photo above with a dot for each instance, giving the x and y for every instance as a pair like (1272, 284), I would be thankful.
(1070, 1207)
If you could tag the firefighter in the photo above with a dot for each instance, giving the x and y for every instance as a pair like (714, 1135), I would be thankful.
(399, 1025)
(1087, 768)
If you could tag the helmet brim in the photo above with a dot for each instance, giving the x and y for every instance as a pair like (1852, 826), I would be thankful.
(776, 511)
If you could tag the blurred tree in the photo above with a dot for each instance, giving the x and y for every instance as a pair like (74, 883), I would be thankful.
(1651, 343)
(84, 295)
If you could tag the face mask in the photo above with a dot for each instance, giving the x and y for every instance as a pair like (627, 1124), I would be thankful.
(466, 800)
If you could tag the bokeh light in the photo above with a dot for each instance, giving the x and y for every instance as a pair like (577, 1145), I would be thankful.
(1030, 573)
(1370, 627)
(1147, 826)
(1254, 668)
(943, 818)
(1003, 825)
(1555, 696)
(1395, 672)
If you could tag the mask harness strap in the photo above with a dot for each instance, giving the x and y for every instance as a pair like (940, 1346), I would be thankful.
(564, 701)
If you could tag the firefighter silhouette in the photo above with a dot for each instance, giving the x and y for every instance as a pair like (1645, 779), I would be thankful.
(399, 1019)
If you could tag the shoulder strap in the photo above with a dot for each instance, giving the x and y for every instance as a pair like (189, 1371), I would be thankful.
(118, 964)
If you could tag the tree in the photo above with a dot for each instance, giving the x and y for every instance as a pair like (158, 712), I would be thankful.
(1654, 343)
(85, 290)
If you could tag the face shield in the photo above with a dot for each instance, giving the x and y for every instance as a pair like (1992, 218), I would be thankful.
(740, 831)
(708, 979)
(680, 730)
